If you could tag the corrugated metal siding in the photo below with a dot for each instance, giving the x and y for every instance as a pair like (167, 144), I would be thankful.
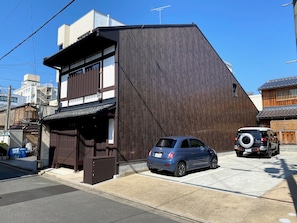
(172, 82)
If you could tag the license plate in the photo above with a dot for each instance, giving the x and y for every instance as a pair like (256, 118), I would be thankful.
(158, 155)
(248, 150)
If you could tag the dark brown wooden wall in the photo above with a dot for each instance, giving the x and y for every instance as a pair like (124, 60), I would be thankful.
(63, 143)
(73, 140)
(172, 82)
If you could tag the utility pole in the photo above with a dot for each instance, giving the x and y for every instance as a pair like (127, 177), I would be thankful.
(295, 18)
(159, 10)
(7, 122)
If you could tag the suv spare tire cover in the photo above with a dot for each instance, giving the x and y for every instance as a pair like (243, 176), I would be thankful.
(246, 140)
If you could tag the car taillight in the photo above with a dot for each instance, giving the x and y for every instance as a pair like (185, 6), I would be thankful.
(150, 152)
(170, 155)
(264, 139)
(235, 139)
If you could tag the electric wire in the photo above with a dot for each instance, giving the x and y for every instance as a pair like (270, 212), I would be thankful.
(5, 55)
(10, 13)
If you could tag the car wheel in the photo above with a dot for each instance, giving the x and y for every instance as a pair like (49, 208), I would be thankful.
(153, 170)
(239, 153)
(180, 169)
(213, 162)
(246, 140)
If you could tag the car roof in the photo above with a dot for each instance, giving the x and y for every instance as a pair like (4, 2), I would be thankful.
(255, 128)
(178, 137)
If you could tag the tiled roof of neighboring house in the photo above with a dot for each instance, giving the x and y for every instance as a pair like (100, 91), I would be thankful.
(279, 83)
(78, 112)
(279, 112)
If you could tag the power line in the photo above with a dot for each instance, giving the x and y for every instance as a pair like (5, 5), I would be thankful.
(10, 13)
(37, 30)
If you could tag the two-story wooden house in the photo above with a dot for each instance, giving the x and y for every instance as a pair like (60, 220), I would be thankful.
(121, 88)
(279, 98)
(23, 124)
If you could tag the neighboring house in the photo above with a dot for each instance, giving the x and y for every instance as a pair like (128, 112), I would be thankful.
(121, 88)
(229, 65)
(279, 112)
(257, 100)
(23, 124)
(19, 116)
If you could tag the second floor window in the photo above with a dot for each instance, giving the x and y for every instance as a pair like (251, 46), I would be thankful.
(286, 94)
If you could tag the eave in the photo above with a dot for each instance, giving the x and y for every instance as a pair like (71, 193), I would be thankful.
(87, 46)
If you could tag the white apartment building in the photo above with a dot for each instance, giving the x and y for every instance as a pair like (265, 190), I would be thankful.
(68, 34)
(15, 100)
(34, 92)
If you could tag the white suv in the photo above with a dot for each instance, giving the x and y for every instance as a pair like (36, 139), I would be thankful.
(258, 140)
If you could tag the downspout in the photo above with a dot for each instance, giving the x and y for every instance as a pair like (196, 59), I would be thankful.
(117, 110)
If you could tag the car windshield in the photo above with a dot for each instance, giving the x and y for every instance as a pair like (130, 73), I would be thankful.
(255, 133)
(169, 143)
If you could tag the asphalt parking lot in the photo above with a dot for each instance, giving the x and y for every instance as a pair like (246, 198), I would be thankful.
(248, 175)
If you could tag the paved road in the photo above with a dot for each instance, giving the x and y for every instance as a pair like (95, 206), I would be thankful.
(31, 198)
(249, 175)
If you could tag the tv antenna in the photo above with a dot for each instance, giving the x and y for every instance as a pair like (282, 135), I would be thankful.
(287, 4)
(159, 10)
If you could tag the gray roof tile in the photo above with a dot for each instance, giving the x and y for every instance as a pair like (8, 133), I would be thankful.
(279, 83)
(280, 112)
(78, 112)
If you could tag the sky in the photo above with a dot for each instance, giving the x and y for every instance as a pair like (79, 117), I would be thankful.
(257, 37)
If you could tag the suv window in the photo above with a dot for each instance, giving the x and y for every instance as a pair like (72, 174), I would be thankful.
(265, 134)
(255, 133)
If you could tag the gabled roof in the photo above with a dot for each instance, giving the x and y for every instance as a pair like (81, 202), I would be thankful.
(279, 83)
(280, 112)
(99, 39)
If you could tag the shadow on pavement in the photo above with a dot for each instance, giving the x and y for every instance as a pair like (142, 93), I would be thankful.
(291, 182)
(9, 172)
